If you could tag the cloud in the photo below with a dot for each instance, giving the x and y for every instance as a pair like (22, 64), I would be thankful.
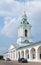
(27, 0)
(2, 50)
(35, 17)
(9, 28)
(8, 9)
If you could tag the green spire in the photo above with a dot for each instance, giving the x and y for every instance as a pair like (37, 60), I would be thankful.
(24, 19)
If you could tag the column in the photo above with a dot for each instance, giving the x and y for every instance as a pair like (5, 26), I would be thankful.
(15, 55)
(9, 55)
(37, 55)
(24, 54)
(12, 55)
(20, 55)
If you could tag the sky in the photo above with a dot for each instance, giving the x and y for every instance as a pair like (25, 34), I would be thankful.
(10, 16)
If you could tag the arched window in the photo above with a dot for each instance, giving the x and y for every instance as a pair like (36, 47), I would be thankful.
(25, 33)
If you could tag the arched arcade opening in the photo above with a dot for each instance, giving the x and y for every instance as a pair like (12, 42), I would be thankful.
(22, 54)
(39, 52)
(27, 54)
(33, 52)
(18, 54)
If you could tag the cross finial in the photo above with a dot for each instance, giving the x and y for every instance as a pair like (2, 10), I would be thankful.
(24, 5)
(24, 11)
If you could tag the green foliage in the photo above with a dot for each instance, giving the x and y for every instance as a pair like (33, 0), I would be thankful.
(1, 57)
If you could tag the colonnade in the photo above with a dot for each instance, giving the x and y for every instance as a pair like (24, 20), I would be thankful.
(30, 54)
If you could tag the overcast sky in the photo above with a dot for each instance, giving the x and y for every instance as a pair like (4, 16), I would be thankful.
(10, 16)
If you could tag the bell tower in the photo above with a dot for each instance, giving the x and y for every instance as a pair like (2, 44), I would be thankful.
(24, 31)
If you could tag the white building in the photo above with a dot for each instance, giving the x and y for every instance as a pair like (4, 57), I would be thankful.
(24, 47)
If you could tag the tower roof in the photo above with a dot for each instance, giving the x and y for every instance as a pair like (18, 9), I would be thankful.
(24, 19)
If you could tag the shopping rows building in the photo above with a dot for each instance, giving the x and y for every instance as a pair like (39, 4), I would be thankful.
(24, 48)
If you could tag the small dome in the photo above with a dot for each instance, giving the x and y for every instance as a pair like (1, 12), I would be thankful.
(11, 47)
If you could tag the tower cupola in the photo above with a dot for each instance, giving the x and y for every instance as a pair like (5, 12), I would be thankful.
(24, 19)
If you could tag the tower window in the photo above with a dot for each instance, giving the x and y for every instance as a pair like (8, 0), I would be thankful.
(25, 33)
